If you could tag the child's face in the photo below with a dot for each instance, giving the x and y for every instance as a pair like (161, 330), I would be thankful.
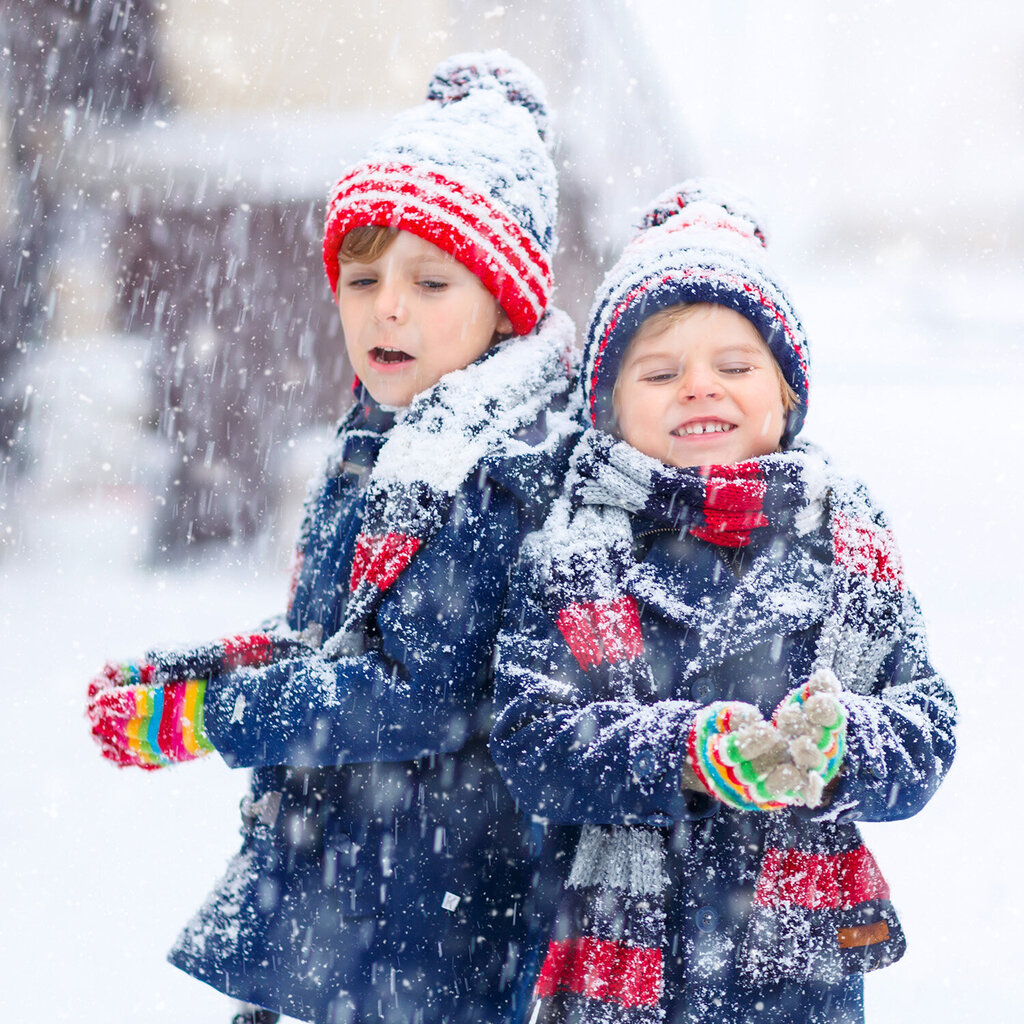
(705, 391)
(412, 316)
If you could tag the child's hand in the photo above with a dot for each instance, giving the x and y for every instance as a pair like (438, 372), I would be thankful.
(742, 760)
(813, 721)
(147, 725)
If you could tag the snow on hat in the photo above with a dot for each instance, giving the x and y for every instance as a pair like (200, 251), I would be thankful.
(697, 243)
(468, 171)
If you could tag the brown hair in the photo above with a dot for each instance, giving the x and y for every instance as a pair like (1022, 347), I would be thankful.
(665, 318)
(366, 244)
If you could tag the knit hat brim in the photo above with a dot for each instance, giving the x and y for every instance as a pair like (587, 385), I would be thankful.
(694, 284)
(458, 220)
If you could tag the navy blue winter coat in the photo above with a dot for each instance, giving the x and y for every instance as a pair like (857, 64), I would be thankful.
(569, 755)
(385, 875)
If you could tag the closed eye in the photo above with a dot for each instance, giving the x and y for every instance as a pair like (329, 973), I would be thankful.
(433, 285)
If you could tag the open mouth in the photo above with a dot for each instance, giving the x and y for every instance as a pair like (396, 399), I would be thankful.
(389, 356)
(700, 427)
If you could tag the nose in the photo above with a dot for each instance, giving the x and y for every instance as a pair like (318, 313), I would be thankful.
(698, 381)
(389, 304)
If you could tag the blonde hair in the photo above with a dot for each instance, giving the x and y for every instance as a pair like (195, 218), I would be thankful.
(658, 323)
(366, 243)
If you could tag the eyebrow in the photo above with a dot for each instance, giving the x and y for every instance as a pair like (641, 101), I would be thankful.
(740, 348)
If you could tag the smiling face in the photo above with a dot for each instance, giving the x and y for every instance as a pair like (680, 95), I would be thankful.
(411, 316)
(703, 391)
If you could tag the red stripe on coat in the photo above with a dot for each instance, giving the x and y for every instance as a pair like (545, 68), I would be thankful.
(864, 548)
(246, 649)
(380, 559)
(600, 969)
(819, 881)
(599, 631)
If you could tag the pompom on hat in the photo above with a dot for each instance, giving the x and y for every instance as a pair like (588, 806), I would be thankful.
(698, 242)
(469, 171)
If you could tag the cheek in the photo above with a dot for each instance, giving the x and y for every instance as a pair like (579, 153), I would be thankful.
(630, 421)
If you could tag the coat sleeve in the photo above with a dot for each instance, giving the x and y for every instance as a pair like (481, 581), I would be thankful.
(423, 689)
(900, 740)
(567, 752)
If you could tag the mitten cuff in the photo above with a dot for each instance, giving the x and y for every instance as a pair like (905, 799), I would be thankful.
(715, 761)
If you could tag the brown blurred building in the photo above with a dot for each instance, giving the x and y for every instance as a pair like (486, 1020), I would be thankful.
(205, 196)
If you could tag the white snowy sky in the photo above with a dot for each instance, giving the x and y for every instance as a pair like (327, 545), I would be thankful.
(884, 113)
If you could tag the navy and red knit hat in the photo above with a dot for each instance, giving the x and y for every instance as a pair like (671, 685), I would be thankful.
(697, 243)
(470, 172)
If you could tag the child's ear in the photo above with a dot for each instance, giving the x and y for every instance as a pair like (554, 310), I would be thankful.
(504, 326)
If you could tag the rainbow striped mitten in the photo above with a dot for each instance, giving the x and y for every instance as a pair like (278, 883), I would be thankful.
(813, 721)
(741, 759)
(148, 725)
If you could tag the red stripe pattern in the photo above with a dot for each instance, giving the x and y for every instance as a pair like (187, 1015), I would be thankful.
(247, 649)
(381, 559)
(864, 548)
(464, 223)
(819, 881)
(733, 505)
(599, 969)
(598, 631)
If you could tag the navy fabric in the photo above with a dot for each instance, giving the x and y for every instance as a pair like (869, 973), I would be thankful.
(392, 881)
(572, 754)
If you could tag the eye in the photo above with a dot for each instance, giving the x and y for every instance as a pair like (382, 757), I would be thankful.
(432, 284)
(735, 369)
(659, 376)
(360, 281)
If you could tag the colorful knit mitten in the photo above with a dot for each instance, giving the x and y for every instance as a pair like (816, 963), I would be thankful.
(146, 724)
(813, 721)
(150, 714)
(741, 759)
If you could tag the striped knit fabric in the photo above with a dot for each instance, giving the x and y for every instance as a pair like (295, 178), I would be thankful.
(150, 726)
(696, 244)
(150, 714)
(469, 172)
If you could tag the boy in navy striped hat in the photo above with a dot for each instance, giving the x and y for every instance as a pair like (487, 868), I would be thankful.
(383, 874)
(711, 661)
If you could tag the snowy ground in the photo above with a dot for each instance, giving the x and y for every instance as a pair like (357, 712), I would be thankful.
(99, 868)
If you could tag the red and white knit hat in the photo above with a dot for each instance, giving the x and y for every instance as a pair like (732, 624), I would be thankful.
(468, 171)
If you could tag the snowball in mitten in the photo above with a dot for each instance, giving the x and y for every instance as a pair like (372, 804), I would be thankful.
(147, 725)
(741, 759)
(813, 721)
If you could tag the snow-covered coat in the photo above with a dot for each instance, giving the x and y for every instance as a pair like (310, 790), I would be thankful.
(711, 623)
(385, 872)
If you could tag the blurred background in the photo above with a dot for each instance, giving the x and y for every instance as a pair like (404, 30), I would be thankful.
(171, 364)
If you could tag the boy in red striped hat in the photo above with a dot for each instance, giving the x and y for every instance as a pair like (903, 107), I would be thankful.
(383, 874)
(711, 660)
